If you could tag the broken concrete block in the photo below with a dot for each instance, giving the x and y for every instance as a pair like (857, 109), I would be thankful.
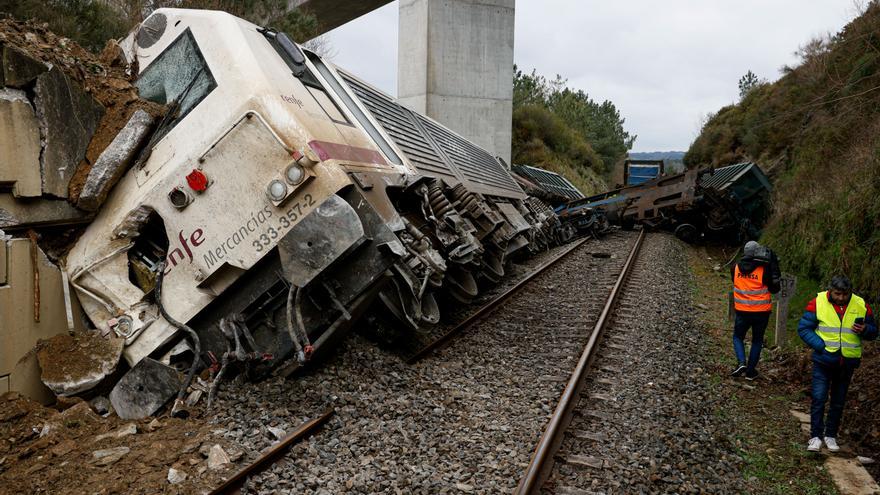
(19, 68)
(68, 119)
(106, 457)
(144, 389)
(22, 213)
(75, 363)
(217, 458)
(114, 161)
(19, 144)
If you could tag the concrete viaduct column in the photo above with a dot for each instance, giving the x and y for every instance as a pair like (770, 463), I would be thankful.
(455, 64)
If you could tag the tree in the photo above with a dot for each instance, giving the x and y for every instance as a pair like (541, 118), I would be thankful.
(747, 83)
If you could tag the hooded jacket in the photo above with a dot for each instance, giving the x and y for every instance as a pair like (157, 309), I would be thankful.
(772, 274)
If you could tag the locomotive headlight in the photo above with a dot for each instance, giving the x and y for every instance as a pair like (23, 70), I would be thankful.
(294, 174)
(277, 190)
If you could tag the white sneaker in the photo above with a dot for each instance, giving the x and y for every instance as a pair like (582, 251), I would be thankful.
(815, 444)
(831, 443)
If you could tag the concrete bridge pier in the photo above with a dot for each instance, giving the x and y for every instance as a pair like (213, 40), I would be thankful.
(455, 64)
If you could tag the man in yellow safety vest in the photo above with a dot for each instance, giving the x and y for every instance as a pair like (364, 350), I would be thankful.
(834, 324)
(755, 277)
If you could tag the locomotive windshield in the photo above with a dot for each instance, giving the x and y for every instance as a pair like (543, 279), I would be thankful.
(179, 76)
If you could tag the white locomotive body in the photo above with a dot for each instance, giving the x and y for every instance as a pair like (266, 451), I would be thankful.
(277, 194)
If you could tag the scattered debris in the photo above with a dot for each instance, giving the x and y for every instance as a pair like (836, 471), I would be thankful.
(176, 476)
(101, 405)
(109, 456)
(278, 433)
(865, 460)
(217, 458)
(144, 389)
(122, 431)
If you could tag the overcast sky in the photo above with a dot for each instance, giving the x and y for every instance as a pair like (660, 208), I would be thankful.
(664, 64)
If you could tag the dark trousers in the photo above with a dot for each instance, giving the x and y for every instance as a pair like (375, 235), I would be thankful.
(834, 379)
(745, 320)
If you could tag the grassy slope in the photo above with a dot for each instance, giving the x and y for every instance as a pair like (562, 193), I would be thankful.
(817, 132)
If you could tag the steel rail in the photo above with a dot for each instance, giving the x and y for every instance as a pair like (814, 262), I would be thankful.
(233, 484)
(488, 308)
(540, 465)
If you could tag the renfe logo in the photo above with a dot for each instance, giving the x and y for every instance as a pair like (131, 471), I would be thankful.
(175, 255)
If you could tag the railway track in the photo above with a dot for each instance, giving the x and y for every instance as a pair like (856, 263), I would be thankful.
(546, 453)
(490, 307)
(462, 408)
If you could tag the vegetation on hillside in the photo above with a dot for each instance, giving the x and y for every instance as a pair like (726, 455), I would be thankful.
(563, 130)
(816, 131)
(92, 22)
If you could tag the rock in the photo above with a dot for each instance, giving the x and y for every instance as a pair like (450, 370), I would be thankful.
(176, 476)
(114, 161)
(19, 144)
(865, 460)
(19, 69)
(194, 397)
(217, 458)
(154, 425)
(68, 119)
(144, 389)
(702, 306)
(72, 364)
(122, 431)
(100, 405)
(109, 456)
(235, 455)
(278, 433)
(464, 487)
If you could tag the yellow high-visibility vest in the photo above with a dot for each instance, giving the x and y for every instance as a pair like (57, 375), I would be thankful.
(837, 333)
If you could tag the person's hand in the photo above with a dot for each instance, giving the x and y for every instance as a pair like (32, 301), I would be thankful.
(858, 328)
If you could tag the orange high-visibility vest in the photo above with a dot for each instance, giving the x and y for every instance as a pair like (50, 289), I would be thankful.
(749, 292)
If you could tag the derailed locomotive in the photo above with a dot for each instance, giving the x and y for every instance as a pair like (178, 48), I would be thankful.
(280, 197)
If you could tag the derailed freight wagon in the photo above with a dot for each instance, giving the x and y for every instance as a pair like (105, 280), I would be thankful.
(280, 197)
(729, 203)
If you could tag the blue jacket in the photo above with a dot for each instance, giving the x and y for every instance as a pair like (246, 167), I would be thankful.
(807, 331)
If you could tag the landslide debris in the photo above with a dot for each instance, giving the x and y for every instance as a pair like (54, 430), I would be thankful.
(100, 96)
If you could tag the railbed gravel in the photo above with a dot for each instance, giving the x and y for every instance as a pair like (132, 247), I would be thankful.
(647, 407)
(463, 420)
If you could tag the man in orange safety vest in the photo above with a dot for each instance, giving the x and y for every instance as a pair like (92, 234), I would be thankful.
(755, 277)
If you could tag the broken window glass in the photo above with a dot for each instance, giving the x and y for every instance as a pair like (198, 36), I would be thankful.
(179, 78)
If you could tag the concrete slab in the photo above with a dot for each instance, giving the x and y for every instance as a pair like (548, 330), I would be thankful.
(68, 119)
(19, 69)
(19, 144)
(23, 213)
(850, 477)
(4, 384)
(144, 389)
(75, 363)
(114, 161)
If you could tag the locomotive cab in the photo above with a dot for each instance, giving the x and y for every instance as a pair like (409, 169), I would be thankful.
(261, 197)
